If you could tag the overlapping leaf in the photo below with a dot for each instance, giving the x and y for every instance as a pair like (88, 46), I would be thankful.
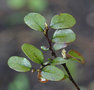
(33, 53)
(19, 64)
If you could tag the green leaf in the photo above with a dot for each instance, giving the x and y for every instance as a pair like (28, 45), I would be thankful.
(58, 61)
(62, 21)
(33, 53)
(64, 36)
(52, 73)
(19, 64)
(58, 46)
(75, 55)
(44, 48)
(35, 21)
(72, 66)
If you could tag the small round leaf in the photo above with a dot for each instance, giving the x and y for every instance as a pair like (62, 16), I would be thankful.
(64, 36)
(58, 61)
(44, 48)
(62, 21)
(19, 64)
(33, 53)
(58, 46)
(35, 21)
(52, 73)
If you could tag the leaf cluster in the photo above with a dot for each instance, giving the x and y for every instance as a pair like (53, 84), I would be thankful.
(61, 38)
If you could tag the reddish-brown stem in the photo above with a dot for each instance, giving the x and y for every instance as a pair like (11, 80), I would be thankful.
(50, 43)
(64, 65)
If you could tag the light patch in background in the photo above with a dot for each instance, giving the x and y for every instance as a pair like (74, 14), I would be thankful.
(16, 4)
(90, 19)
(20, 82)
(37, 5)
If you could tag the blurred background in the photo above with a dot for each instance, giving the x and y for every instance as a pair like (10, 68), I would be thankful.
(14, 32)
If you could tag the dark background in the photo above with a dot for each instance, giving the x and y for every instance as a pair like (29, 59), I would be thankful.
(13, 33)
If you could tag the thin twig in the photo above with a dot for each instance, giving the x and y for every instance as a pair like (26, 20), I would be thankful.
(64, 65)
(70, 77)
(50, 43)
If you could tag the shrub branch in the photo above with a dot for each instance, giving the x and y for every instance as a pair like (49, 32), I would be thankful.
(54, 54)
